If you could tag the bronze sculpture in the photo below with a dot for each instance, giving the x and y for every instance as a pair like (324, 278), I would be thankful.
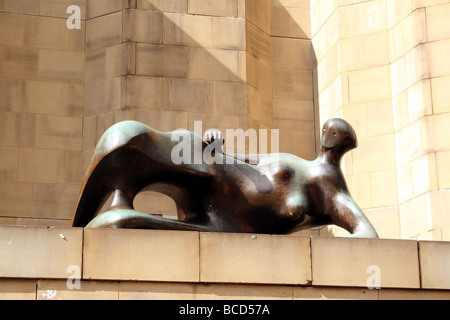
(275, 195)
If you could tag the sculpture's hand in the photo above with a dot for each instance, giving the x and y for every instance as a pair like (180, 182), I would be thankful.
(213, 135)
(214, 139)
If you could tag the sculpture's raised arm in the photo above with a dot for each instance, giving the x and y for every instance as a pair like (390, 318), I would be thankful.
(215, 137)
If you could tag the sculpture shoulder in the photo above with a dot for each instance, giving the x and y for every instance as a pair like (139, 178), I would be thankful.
(328, 177)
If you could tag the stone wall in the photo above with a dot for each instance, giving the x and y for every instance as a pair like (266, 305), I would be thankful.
(380, 65)
(47, 263)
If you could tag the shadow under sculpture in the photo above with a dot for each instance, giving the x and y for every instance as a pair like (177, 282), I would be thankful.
(271, 194)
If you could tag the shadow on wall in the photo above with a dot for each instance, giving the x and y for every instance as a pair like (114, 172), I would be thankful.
(291, 89)
(202, 61)
(187, 64)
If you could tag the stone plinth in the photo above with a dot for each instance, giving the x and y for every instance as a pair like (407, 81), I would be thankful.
(41, 263)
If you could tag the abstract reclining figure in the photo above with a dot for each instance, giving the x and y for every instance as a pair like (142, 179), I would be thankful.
(276, 194)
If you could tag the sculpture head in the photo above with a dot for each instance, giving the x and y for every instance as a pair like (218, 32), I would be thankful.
(339, 136)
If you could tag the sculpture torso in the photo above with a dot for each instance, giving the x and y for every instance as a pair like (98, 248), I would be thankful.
(280, 195)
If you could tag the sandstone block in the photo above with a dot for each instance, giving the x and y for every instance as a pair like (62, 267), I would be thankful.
(245, 258)
(353, 262)
(434, 264)
(137, 255)
(88, 290)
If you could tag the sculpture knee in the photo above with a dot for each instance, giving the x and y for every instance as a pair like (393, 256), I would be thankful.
(119, 135)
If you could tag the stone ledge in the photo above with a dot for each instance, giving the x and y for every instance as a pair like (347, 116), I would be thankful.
(352, 262)
(27, 289)
(219, 259)
(39, 252)
(141, 255)
(261, 259)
